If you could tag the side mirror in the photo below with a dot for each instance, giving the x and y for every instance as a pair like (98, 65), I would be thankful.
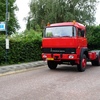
(43, 32)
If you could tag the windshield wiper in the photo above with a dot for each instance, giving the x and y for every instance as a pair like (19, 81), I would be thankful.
(66, 36)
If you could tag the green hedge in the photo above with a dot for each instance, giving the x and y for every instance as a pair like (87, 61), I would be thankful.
(93, 36)
(2, 51)
(22, 49)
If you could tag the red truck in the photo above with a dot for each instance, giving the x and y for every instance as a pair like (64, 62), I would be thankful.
(66, 43)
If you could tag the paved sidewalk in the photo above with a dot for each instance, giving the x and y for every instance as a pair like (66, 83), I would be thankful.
(16, 67)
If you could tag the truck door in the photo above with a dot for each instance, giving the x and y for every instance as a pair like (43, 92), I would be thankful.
(81, 38)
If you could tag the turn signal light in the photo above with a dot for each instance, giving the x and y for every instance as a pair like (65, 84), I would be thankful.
(74, 21)
(48, 24)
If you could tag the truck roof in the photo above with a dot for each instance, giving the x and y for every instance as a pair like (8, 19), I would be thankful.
(76, 24)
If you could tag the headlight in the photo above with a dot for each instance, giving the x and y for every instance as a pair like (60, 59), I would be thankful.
(71, 56)
(44, 56)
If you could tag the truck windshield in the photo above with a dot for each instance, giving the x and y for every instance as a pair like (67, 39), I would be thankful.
(64, 31)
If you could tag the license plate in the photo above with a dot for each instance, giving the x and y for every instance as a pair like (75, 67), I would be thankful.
(50, 58)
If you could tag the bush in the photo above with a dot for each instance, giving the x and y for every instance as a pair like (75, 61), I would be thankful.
(25, 47)
(93, 36)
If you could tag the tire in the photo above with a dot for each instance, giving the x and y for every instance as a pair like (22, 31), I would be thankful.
(82, 66)
(52, 65)
(93, 63)
(97, 61)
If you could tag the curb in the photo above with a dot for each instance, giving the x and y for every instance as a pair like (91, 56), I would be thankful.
(12, 69)
(24, 66)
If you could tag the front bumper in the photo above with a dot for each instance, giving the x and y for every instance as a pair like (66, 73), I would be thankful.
(59, 57)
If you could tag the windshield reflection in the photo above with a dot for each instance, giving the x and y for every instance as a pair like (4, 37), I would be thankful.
(64, 31)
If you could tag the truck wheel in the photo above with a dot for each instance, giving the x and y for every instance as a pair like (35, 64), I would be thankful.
(82, 66)
(97, 61)
(52, 65)
(93, 63)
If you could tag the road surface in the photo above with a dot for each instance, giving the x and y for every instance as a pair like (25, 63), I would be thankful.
(64, 83)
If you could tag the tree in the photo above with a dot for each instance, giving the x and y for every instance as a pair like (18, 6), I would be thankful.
(44, 11)
(13, 22)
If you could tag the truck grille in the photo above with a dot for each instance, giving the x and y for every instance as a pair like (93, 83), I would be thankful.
(59, 50)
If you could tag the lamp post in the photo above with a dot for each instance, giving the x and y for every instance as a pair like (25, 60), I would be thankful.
(7, 40)
(6, 18)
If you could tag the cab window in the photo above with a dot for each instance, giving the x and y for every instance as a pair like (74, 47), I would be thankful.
(80, 33)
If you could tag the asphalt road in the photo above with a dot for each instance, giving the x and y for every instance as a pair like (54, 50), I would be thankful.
(64, 83)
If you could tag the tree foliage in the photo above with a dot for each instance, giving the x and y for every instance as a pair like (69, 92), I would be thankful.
(44, 11)
(93, 36)
(12, 23)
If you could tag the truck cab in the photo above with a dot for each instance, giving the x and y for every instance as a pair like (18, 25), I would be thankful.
(65, 43)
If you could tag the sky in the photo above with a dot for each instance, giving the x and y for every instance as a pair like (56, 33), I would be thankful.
(24, 9)
(97, 15)
(23, 6)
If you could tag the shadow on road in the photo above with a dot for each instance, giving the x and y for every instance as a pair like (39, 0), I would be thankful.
(67, 68)
(70, 68)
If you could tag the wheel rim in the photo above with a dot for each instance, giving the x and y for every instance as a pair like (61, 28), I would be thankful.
(84, 63)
